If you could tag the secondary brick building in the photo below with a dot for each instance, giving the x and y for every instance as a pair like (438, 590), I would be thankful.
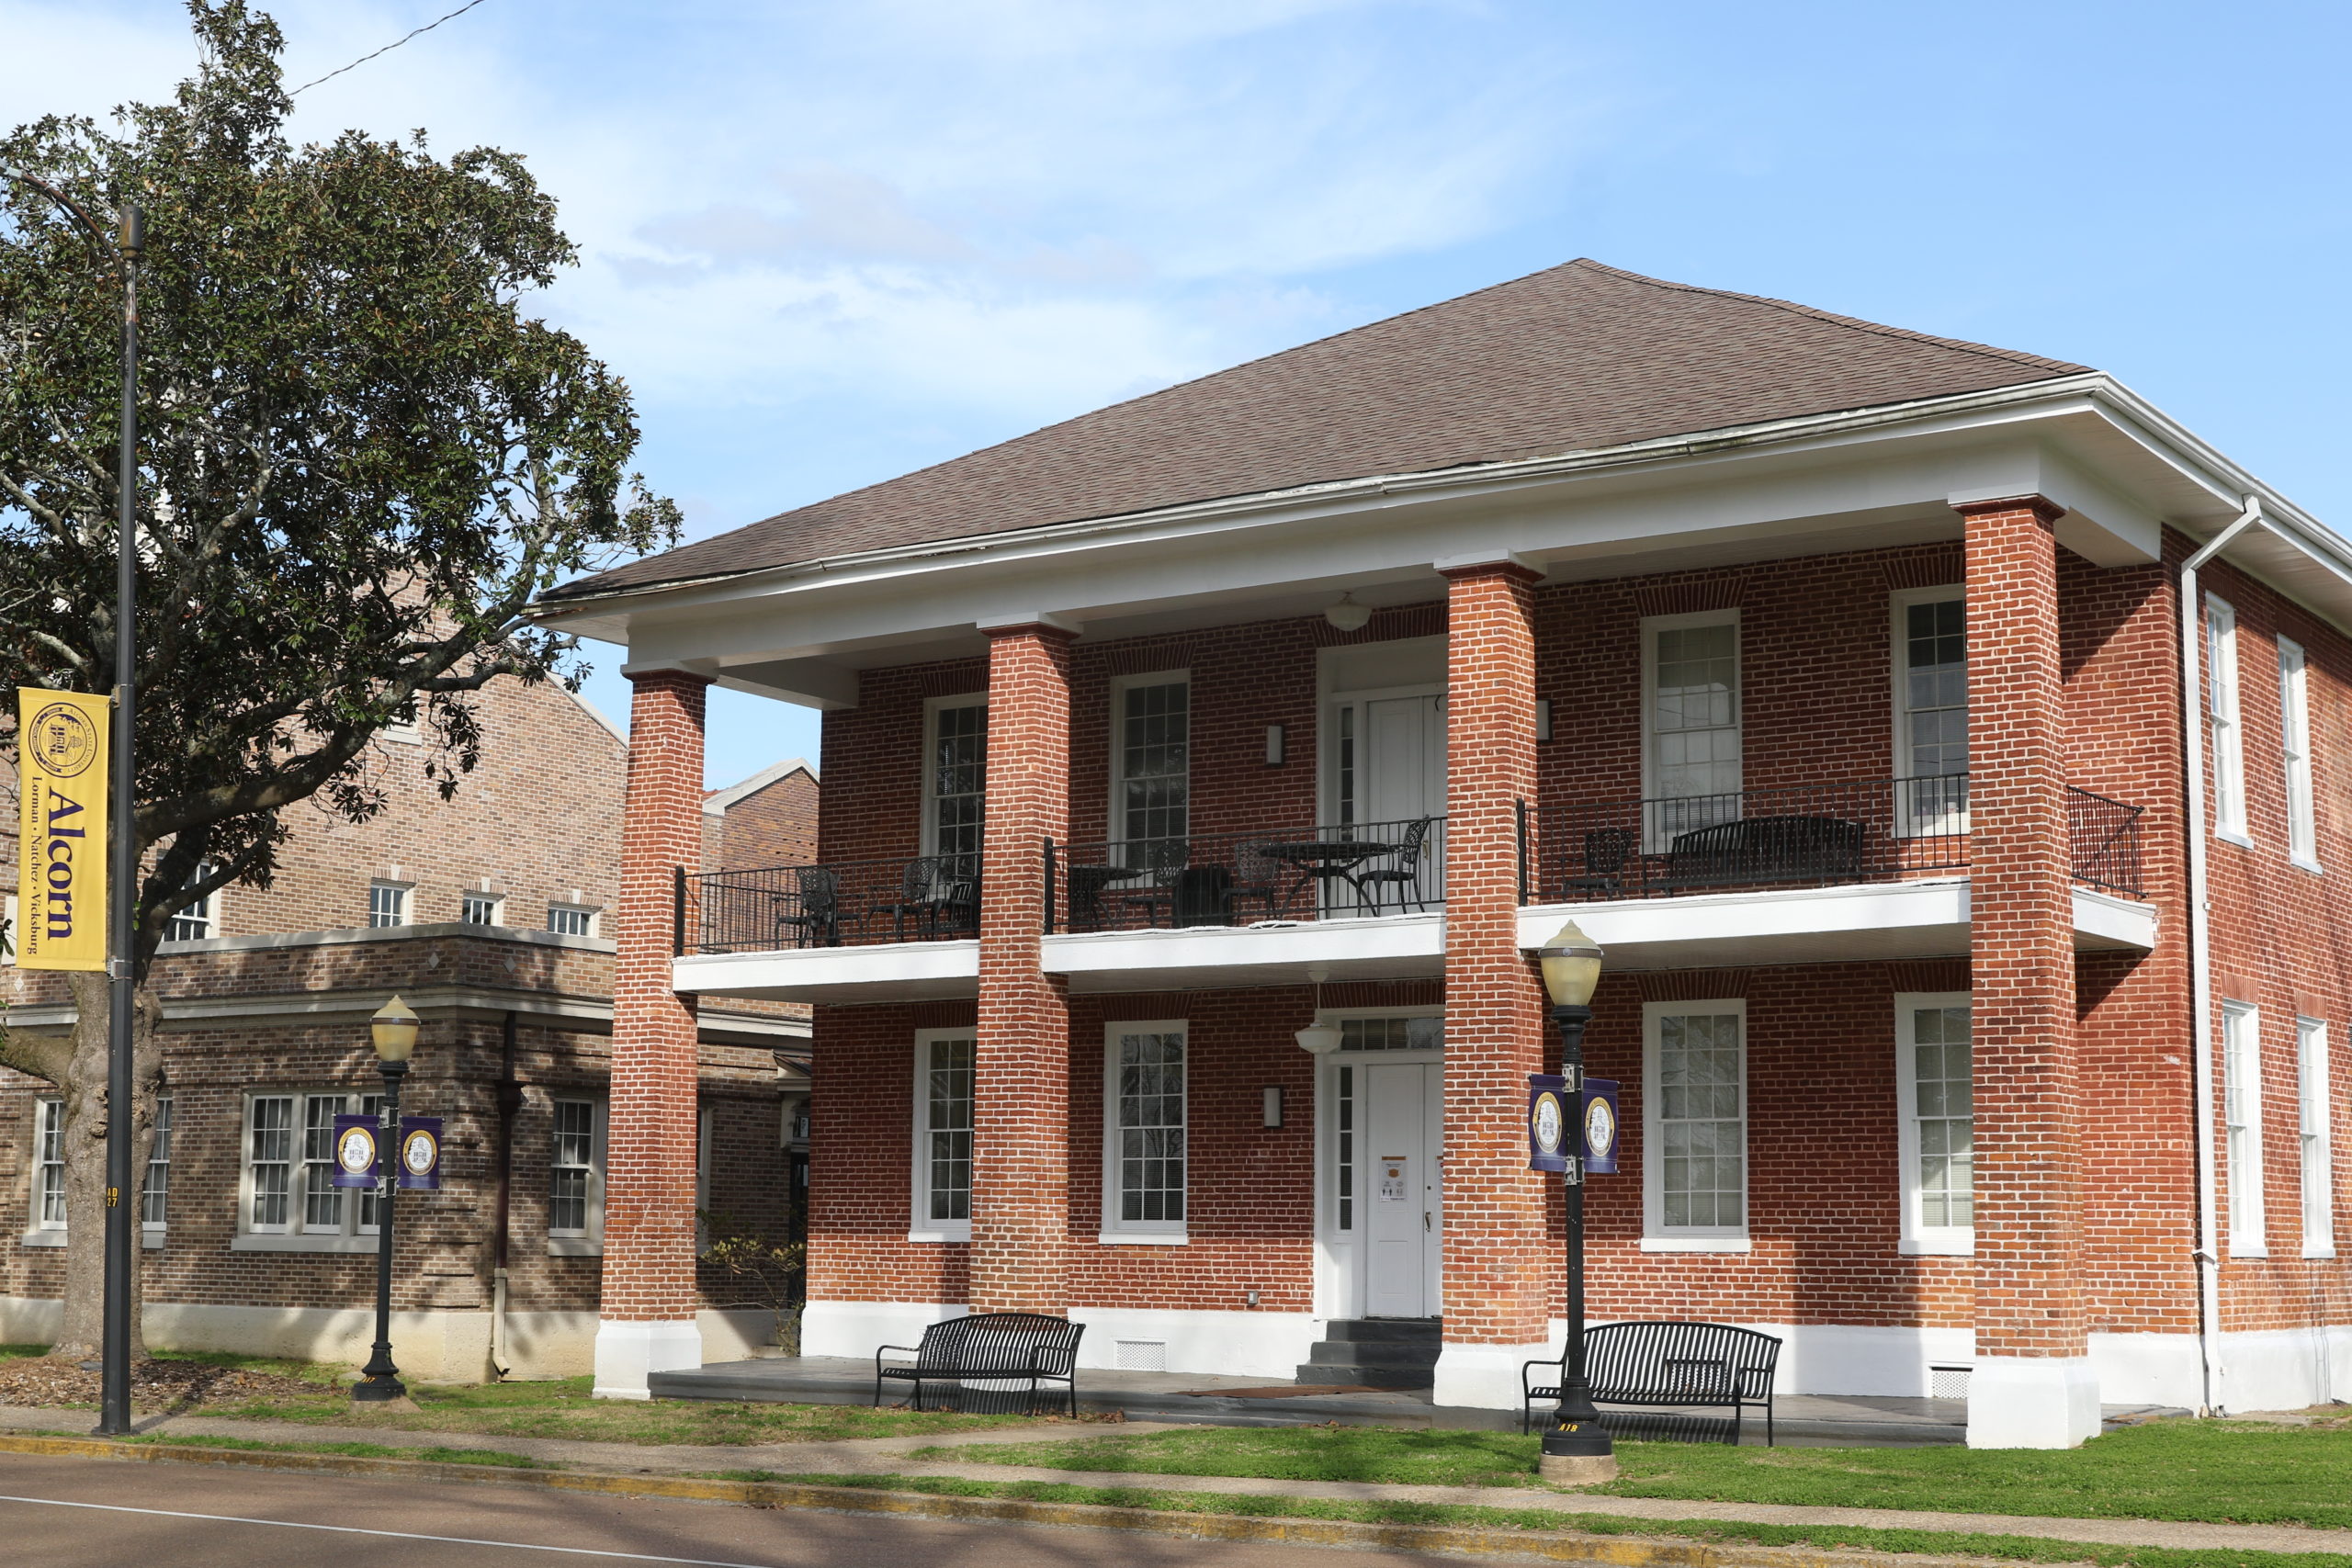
(490, 914)
(1950, 751)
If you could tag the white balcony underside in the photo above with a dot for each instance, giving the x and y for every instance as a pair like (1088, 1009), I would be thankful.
(1812, 925)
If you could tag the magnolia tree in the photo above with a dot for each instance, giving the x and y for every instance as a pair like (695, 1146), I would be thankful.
(360, 458)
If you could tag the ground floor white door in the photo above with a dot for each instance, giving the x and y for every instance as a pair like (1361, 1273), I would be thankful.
(1403, 1185)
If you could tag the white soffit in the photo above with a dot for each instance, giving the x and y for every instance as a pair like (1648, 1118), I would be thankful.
(908, 971)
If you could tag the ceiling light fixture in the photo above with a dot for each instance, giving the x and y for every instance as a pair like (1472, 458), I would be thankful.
(1347, 616)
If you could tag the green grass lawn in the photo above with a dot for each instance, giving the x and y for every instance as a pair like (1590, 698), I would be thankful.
(2218, 1470)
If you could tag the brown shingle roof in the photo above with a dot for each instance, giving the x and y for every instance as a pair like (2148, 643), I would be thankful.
(1571, 359)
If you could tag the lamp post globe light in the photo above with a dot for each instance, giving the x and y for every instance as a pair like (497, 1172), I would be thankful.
(394, 1032)
(1576, 1446)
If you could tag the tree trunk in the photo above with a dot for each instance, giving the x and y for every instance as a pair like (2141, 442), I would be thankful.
(84, 1148)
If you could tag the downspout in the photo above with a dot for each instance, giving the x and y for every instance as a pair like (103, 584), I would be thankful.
(2200, 966)
(510, 1101)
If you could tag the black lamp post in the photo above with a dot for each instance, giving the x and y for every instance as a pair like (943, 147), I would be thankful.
(394, 1028)
(1576, 1446)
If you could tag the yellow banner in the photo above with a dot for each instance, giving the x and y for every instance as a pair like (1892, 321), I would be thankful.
(62, 869)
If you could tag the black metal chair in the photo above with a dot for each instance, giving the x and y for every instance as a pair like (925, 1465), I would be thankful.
(813, 914)
(1257, 882)
(1673, 1369)
(991, 1346)
(1156, 863)
(1606, 852)
(923, 896)
(1403, 871)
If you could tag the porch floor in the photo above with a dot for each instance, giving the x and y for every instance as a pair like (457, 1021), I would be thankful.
(1807, 1419)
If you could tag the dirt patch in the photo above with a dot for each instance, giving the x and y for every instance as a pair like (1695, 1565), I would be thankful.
(155, 1385)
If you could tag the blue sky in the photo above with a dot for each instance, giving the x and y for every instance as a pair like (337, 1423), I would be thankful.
(829, 242)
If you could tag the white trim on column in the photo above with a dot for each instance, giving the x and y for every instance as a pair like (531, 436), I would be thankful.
(628, 1352)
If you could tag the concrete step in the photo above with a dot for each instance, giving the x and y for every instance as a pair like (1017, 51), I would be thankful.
(1328, 1373)
(1337, 1353)
(1385, 1330)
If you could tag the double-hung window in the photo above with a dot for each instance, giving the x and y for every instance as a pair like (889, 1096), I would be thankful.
(1931, 710)
(1151, 793)
(1695, 1121)
(48, 1165)
(571, 919)
(2317, 1146)
(1144, 1124)
(1690, 722)
(576, 1178)
(387, 903)
(481, 909)
(289, 1167)
(201, 917)
(2223, 721)
(156, 1194)
(942, 1142)
(1934, 1075)
(2241, 1124)
(2295, 741)
(956, 778)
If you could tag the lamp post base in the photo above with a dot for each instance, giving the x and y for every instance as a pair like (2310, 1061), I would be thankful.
(1578, 1454)
(377, 1390)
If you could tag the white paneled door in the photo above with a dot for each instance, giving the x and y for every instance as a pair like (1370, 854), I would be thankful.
(1403, 1184)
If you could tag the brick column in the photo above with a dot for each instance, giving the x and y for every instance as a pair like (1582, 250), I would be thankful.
(1498, 1251)
(2033, 1385)
(646, 1319)
(1021, 1070)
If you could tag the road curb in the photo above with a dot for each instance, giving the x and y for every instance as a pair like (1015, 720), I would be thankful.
(1555, 1546)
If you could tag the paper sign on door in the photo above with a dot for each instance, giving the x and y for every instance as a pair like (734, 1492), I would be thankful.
(1392, 1178)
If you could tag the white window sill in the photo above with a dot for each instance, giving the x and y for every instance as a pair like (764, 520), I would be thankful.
(941, 1237)
(251, 1242)
(149, 1241)
(1696, 1243)
(2305, 863)
(1143, 1238)
(575, 1246)
(2234, 836)
(2319, 1250)
(1937, 1246)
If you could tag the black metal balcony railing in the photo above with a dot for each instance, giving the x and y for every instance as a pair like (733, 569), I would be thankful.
(2103, 836)
(1810, 836)
(838, 904)
(1237, 879)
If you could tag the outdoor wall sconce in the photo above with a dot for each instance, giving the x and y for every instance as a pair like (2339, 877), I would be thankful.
(1277, 743)
(1270, 1114)
(1543, 719)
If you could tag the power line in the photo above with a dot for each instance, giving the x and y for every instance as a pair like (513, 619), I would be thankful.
(364, 59)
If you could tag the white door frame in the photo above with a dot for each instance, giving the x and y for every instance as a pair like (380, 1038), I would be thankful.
(1327, 784)
(1339, 1256)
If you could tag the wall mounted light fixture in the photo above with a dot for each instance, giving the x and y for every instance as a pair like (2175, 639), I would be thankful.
(1543, 719)
(1272, 1113)
(1276, 745)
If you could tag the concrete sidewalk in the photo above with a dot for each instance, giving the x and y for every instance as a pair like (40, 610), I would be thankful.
(890, 1456)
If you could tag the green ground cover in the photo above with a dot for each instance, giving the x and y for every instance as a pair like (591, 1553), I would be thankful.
(2021, 1548)
(2226, 1472)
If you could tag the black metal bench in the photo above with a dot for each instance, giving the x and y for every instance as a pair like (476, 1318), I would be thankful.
(988, 1347)
(1671, 1368)
(1760, 850)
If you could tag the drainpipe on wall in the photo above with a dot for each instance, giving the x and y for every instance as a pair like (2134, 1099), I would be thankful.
(2200, 966)
(510, 1101)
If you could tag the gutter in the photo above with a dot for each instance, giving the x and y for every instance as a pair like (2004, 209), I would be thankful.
(2201, 961)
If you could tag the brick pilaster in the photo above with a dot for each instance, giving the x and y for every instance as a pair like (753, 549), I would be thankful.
(1498, 1251)
(648, 1271)
(1021, 1079)
(2030, 1112)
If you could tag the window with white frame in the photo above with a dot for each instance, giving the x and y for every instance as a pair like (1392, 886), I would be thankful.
(2317, 1146)
(387, 903)
(1931, 709)
(1690, 721)
(942, 1144)
(155, 1196)
(1151, 759)
(1409, 1031)
(290, 1166)
(576, 1175)
(480, 908)
(2222, 719)
(2242, 1126)
(571, 919)
(1935, 1080)
(955, 776)
(49, 1165)
(1143, 1121)
(2295, 741)
(201, 917)
(1695, 1121)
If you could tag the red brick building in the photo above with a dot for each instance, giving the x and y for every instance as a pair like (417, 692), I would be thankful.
(490, 914)
(1835, 678)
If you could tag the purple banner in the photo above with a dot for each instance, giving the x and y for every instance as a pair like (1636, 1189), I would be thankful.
(1600, 1126)
(420, 1154)
(356, 1154)
(1548, 1128)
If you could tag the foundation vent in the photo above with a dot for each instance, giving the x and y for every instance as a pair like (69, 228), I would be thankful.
(1140, 1355)
(1948, 1383)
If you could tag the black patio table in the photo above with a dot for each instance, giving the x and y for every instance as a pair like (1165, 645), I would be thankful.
(1323, 859)
(1087, 885)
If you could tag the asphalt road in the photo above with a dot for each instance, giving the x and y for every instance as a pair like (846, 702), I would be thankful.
(78, 1513)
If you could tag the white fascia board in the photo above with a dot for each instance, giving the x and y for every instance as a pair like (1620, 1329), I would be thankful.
(2101, 524)
(2104, 920)
(908, 970)
(1795, 925)
(1273, 952)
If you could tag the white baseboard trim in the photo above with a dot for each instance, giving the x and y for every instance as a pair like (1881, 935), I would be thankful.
(1486, 1377)
(859, 1328)
(1271, 1345)
(629, 1351)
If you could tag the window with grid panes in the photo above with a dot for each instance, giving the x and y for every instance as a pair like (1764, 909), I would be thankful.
(572, 1167)
(1942, 1084)
(482, 909)
(2221, 717)
(1700, 1123)
(1935, 713)
(269, 1162)
(1147, 1130)
(2316, 1146)
(1392, 1033)
(1343, 1146)
(571, 919)
(2242, 1127)
(154, 1197)
(945, 1134)
(201, 917)
(325, 1210)
(387, 903)
(1695, 726)
(1155, 762)
(49, 1165)
(2295, 737)
(958, 778)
